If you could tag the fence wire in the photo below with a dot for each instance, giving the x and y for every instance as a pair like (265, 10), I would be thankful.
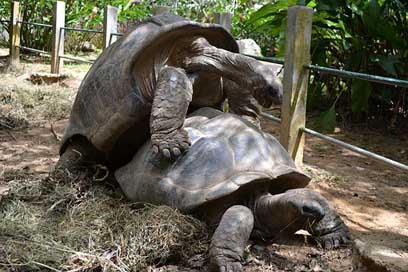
(362, 76)
(348, 146)
(35, 24)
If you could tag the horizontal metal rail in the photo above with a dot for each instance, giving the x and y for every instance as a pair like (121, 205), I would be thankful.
(271, 117)
(76, 59)
(34, 24)
(356, 149)
(267, 59)
(114, 34)
(82, 30)
(351, 147)
(355, 75)
(35, 50)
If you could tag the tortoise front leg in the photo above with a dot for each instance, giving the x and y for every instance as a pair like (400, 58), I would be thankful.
(230, 238)
(242, 102)
(172, 97)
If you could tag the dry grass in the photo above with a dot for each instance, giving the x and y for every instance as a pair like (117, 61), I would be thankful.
(321, 176)
(73, 223)
(22, 103)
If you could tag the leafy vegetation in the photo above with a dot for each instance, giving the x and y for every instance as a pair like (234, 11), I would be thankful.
(364, 35)
(89, 15)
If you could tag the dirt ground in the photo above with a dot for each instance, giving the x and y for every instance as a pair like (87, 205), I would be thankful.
(371, 197)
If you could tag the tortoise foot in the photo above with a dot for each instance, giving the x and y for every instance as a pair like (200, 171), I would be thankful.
(171, 144)
(335, 239)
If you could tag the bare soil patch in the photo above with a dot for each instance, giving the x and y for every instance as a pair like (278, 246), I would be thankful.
(370, 196)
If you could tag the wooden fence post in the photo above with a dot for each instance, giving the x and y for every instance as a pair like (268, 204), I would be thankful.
(58, 37)
(14, 29)
(224, 19)
(110, 25)
(295, 80)
(160, 9)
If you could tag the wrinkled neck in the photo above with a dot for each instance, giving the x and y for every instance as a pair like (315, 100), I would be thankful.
(238, 68)
(196, 54)
(273, 216)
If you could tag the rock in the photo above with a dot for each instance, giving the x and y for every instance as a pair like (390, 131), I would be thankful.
(88, 47)
(249, 47)
(46, 78)
(4, 36)
(369, 257)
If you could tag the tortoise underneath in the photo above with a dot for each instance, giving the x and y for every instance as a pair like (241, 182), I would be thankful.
(238, 179)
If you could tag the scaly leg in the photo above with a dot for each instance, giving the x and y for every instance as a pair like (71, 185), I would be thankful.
(230, 238)
(241, 102)
(79, 153)
(170, 104)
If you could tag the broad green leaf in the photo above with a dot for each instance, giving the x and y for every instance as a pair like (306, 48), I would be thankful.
(265, 11)
(311, 4)
(360, 92)
(327, 120)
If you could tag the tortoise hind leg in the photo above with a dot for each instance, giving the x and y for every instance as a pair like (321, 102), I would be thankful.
(230, 238)
(79, 153)
(298, 209)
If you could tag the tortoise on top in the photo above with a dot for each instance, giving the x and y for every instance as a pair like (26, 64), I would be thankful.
(144, 84)
(238, 179)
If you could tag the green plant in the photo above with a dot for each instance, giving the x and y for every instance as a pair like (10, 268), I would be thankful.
(89, 15)
(370, 36)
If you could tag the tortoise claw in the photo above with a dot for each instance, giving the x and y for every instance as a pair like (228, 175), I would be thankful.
(166, 153)
(176, 151)
(334, 240)
(171, 143)
(185, 146)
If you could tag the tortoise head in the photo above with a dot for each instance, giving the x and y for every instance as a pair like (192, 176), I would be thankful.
(197, 54)
(268, 88)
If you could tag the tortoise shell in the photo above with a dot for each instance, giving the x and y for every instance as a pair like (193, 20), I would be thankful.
(227, 152)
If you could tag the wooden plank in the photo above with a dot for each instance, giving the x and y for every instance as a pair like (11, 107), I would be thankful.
(295, 80)
(58, 37)
(14, 29)
(110, 25)
(224, 19)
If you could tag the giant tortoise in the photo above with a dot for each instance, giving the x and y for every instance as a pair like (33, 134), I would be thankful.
(143, 85)
(238, 179)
